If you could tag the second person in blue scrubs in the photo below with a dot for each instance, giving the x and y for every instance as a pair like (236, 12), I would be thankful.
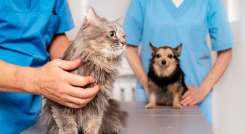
(162, 23)
(32, 32)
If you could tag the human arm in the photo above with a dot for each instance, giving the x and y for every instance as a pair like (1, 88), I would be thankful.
(133, 26)
(195, 95)
(58, 46)
(52, 80)
(136, 65)
(222, 42)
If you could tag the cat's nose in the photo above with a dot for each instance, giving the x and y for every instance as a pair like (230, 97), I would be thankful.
(123, 42)
(163, 62)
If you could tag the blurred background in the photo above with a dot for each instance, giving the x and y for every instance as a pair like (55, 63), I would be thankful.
(229, 94)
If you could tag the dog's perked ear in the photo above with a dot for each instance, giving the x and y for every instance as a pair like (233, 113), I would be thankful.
(153, 48)
(178, 50)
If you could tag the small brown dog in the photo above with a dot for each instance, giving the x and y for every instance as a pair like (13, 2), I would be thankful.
(165, 77)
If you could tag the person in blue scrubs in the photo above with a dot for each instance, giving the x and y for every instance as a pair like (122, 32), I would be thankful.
(32, 32)
(162, 23)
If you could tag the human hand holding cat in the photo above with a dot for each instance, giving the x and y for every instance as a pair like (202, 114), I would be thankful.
(54, 82)
(193, 96)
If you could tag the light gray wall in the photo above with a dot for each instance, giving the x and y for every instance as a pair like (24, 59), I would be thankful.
(78, 9)
(243, 20)
(229, 93)
(112, 9)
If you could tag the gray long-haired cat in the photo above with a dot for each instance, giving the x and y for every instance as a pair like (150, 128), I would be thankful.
(99, 44)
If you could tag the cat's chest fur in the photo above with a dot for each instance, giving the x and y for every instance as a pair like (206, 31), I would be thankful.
(101, 75)
(104, 72)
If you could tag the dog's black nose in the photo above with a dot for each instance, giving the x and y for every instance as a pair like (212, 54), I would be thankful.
(163, 62)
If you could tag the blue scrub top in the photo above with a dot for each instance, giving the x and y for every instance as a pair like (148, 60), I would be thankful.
(160, 22)
(26, 30)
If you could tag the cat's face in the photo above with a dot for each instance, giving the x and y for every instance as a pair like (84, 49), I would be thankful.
(104, 37)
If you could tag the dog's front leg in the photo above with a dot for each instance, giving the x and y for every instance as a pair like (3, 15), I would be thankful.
(65, 121)
(152, 101)
(176, 101)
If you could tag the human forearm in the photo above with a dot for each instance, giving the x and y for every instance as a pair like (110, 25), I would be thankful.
(58, 46)
(18, 79)
(195, 95)
(136, 65)
(53, 81)
(221, 64)
(14, 78)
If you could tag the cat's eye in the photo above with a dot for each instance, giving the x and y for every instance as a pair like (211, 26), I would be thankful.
(112, 34)
(170, 56)
(124, 36)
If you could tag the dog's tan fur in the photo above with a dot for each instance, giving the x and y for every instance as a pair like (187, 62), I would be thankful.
(171, 63)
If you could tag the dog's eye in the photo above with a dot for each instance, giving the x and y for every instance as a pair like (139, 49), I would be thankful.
(158, 55)
(170, 56)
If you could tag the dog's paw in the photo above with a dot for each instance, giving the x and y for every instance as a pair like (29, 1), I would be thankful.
(150, 106)
(177, 106)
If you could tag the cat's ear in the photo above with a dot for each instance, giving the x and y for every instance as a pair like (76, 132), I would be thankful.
(91, 17)
(178, 50)
(153, 48)
(118, 20)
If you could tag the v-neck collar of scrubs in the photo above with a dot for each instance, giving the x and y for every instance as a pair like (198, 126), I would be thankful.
(177, 3)
(177, 12)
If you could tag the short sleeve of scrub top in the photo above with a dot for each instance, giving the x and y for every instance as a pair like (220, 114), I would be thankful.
(134, 23)
(64, 14)
(219, 30)
(26, 31)
(160, 22)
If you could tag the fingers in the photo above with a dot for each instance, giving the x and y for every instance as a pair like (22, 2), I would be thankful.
(67, 65)
(81, 92)
(63, 100)
(79, 81)
(90, 92)
(189, 99)
(72, 105)
(186, 94)
(64, 87)
(82, 99)
(186, 101)
(69, 91)
(193, 103)
(74, 102)
(77, 102)
(71, 101)
(73, 79)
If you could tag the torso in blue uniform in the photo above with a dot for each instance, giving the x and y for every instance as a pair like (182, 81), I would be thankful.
(26, 30)
(160, 22)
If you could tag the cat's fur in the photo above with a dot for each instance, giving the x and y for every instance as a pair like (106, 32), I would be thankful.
(99, 44)
(165, 78)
